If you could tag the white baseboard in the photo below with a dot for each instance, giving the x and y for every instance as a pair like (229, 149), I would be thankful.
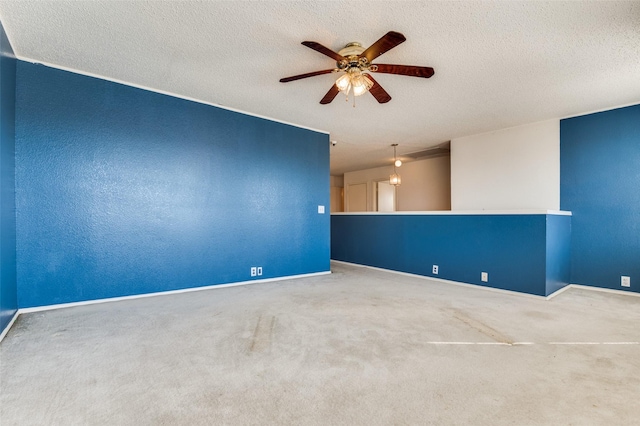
(8, 327)
(559, 291)
(605, 290)
(549, 297)
(444, 281)
(290, 277)
(164, 293)
(140, 296)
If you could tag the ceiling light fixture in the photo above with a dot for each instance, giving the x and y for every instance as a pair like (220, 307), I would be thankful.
(355, 79)
(395, 179)
(355, 62)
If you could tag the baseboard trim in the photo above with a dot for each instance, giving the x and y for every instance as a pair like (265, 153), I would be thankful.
(605, 290)
(141, 296)
(8, 327)
(444, 281)
(164, 293)
(559, 291)
(290, 277)
(458, 283)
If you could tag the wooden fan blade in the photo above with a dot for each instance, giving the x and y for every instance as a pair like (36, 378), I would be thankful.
(378, 92)
(331, 95)
(324, 50)
(386, 43)
(309, 74)
(409, 70)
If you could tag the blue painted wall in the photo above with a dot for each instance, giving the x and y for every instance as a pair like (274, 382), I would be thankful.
(8, 289)
(600, 184)
(121, 191)
(558, 261)
(511, 248)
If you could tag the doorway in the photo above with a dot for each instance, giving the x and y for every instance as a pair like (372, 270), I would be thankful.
(385, 196)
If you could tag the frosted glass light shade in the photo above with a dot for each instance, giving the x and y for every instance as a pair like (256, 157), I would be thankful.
(398, 163)
(343, 83)
(361, 84)
(395, 179)
(359, 90)
(353, 79)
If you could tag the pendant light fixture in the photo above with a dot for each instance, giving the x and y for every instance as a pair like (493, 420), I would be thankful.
(395, 179)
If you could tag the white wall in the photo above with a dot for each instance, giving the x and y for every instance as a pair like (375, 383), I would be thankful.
(515, 168)
(426, 184)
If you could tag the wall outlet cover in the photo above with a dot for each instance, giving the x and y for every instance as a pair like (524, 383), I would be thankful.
(254, 271)
(484, 276)
(435, 269)
(625, 281)
(320, 209)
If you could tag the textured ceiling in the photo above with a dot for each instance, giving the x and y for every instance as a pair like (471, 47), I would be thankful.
(497, 64)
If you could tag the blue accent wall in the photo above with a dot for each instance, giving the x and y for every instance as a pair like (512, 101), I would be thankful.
(600, 184)
(558, 261)
(8, 286)
(122, 191)
(512, 249)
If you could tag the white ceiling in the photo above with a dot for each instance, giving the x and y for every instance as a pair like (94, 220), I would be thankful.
(497, 64)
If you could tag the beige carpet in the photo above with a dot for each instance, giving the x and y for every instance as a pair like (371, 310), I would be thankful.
(357, 347)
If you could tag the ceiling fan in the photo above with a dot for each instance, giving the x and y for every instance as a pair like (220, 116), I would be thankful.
(355, 62)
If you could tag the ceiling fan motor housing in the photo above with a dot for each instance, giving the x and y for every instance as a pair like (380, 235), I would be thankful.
(351, 49)
(352, 52)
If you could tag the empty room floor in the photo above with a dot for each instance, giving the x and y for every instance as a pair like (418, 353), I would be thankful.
(359, 346)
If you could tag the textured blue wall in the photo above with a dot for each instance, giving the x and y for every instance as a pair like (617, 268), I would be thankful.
(121, 191)
(600, 184)
(511, 248)
(558, 263)
(8, 289)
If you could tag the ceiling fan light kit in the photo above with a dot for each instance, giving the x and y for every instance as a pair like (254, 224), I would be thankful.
(354, 80)
(355, 62)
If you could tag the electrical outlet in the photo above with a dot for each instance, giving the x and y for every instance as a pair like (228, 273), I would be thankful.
(625, 281)
(484, 276)
(259, 271)
(254, 271)
(435, 269)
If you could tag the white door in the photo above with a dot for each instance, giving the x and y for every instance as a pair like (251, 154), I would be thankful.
(357, 198)
(385, 197)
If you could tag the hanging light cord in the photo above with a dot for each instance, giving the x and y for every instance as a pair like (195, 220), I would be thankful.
(394, 158)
